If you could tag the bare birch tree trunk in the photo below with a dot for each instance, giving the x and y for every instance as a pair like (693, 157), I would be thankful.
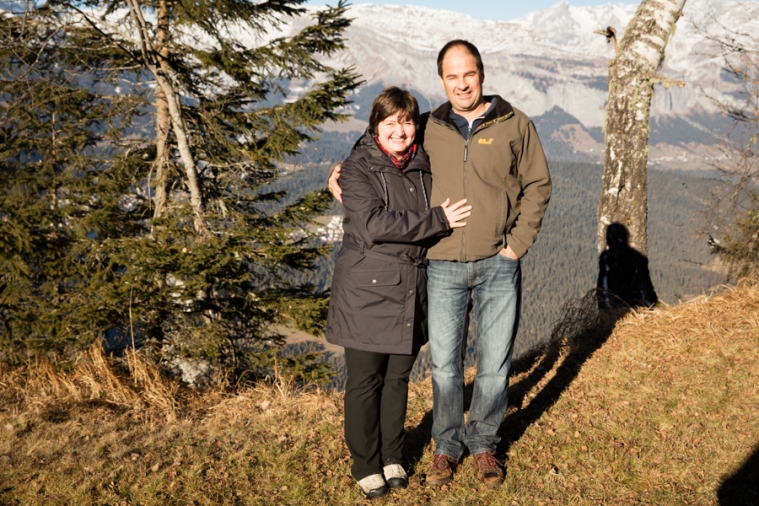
(183, 143)
(163, 80)
(163, 121)
(624, 196)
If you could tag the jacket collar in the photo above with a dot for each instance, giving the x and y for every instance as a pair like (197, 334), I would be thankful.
(502, 110)
(381, 163)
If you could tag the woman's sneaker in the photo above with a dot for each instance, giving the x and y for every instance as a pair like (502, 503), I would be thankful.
(395, 476)
(373, 486)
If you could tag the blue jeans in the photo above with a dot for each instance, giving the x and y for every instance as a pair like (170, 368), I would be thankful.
(494, 285)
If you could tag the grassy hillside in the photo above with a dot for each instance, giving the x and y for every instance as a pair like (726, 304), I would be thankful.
(663, 410)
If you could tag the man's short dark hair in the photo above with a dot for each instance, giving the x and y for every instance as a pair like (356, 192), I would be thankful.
(467, 46)
(390, 101)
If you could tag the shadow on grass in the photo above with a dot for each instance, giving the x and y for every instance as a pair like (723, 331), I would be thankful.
(417, 440)
(742, 488)
(420, 436)
(582, 330)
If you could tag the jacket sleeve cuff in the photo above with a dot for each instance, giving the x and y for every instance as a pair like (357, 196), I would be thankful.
(517, 246)
(442, 221)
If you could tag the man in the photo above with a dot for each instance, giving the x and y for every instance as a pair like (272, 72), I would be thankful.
(483, 150)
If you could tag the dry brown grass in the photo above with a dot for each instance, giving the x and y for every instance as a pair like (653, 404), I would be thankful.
(40, 385)
(663, 413)
(664, 410)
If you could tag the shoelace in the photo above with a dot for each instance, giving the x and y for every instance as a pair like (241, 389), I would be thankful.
(489, 461)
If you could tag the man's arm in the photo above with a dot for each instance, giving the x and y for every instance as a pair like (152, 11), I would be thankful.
(535, 181)
(374, 222)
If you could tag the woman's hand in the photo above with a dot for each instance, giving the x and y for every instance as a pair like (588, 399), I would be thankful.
(456, 212)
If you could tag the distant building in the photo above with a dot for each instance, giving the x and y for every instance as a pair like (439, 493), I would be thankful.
(332, 231)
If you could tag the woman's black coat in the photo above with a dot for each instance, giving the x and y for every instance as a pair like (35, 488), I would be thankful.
(379, 288)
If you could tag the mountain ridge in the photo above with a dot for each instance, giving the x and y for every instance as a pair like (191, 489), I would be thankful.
(551, 59)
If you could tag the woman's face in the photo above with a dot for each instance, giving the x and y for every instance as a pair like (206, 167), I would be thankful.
(396, 134)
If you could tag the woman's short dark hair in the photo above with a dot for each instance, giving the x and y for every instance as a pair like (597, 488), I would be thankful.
(466, 46)
(390, 101)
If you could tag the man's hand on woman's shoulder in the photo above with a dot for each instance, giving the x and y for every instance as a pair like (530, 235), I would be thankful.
(334, 186)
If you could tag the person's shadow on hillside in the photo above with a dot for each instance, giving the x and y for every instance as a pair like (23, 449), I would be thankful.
(583, 329)
(623, 276)
(742, 488)
(624, 282)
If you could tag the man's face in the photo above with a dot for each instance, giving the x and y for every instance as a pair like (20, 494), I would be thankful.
(461, 80)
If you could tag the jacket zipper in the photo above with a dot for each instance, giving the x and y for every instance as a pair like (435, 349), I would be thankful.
(494, 121)
(479, 128)
(466, 155)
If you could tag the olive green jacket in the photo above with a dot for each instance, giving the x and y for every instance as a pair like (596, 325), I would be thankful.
(501, 171)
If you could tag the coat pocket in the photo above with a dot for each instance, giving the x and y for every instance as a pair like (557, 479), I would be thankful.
(375, 307)
(377, 278)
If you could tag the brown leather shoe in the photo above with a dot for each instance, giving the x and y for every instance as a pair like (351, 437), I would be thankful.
(440, 471)
(489, 470)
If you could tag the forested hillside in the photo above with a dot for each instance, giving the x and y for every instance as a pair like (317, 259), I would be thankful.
(563, 264)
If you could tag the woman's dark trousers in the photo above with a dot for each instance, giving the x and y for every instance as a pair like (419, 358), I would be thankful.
(375, 409)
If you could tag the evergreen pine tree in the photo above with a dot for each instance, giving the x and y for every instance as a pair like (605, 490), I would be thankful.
(198, 268)
(65, 170)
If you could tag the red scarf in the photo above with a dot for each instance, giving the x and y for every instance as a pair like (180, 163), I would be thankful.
(402, 162)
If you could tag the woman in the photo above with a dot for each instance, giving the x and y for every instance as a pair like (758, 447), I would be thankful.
(378, 305)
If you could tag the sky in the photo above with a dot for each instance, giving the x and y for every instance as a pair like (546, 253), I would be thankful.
(503, 10)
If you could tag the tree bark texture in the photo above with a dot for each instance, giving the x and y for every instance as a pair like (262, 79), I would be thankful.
(163, 120)
(624, 196)
(163, 81)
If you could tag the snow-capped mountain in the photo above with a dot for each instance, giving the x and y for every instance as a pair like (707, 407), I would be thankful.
(548, 58)
(549, 63)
